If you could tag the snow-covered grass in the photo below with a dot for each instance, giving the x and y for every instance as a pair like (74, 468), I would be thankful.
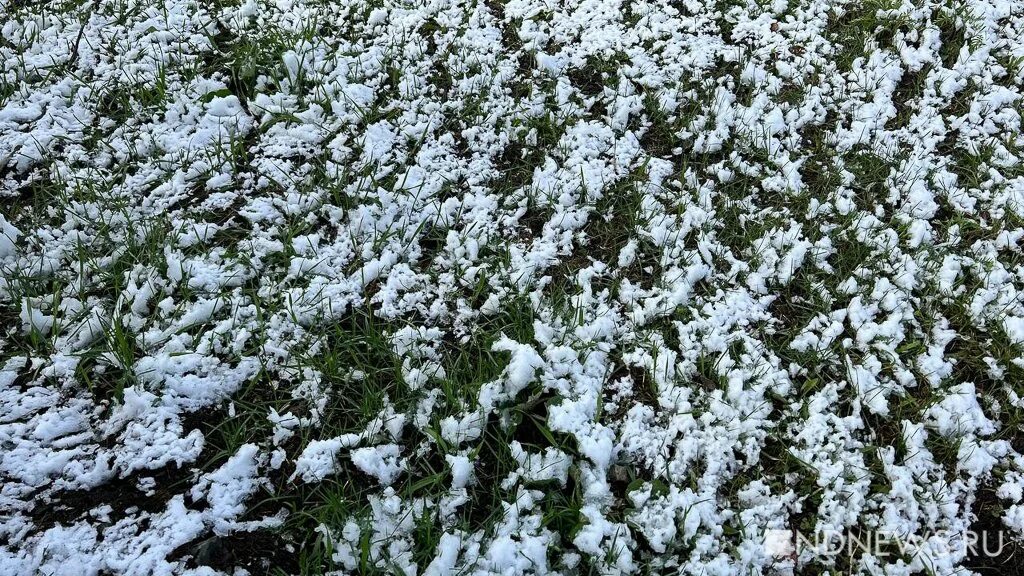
(456, 287)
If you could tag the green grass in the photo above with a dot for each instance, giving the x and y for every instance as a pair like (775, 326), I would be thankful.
(118, 250)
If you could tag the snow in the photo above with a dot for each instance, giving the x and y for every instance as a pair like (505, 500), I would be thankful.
(632, 281)
(381, 462)
(1014, 326)
(552, 464)
(8, 237)
(318, 458)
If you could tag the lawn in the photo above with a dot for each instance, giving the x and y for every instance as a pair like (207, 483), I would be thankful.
(511, 287)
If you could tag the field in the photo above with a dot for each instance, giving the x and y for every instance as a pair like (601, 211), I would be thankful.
(510, 287)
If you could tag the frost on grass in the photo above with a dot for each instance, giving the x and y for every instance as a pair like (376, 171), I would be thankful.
(507, 287)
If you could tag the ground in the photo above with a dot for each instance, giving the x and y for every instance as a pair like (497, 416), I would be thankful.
(481, 287)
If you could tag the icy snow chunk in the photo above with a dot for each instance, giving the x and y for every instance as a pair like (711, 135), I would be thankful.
(388, 421)
(920, 201)
(227, 488)
(1014, 326)
(872, 389)
(627, 254)
(378, 142)
(359, 95)
(318, 459)
(155, 439)
(552, 464)
(465, 429)
(948, 274)
(196, 233)
(32, 318)
(284, 425)
(1013, 517)
(8, 237)
(382, 462)
(958, 413)
(520, 371)
(977, 457)
(553, 65)
(462, 470)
